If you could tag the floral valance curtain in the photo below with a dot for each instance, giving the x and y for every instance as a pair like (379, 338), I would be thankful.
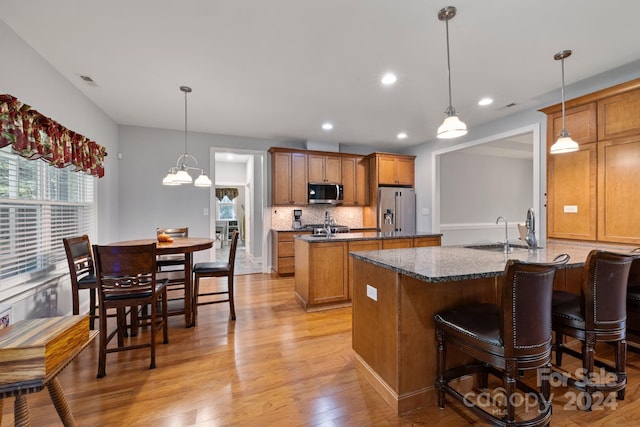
(34, 136)
(231, 193)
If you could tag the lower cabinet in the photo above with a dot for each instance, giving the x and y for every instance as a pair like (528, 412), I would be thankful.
(283, 251)
(324, 270)
(321, 273)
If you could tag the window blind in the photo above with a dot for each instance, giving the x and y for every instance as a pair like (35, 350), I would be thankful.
(39, 205)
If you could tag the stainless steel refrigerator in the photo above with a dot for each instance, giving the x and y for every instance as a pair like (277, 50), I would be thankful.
(396, 209)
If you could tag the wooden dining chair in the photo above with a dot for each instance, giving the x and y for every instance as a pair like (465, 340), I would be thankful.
(81, 273)
(172, 267)
(127, 278)
(216, 269)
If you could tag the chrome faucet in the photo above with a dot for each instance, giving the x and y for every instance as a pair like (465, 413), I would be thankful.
(327, 224)
(507, 248)
(532, 243)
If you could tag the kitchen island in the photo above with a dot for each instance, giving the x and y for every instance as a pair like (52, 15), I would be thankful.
(397, 292)
(323, 267)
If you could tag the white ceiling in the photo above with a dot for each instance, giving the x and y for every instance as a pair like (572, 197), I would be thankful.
(280, 68)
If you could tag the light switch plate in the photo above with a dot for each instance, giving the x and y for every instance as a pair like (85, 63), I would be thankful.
(372, 292)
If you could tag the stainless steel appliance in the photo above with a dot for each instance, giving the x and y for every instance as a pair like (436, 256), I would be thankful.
(297, 219)
(396, 209)
(327, 194)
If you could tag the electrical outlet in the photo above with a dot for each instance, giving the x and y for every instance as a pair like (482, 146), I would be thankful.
(425, 211)
(205, 212)
(372, 292)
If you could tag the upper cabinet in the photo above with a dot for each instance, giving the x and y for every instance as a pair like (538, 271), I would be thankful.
(288, 177)
(592, 194)
(355, 181)
(325, 169)
(394, 169)
(292, 170)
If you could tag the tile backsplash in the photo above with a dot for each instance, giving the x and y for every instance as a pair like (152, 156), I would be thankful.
(282, 216)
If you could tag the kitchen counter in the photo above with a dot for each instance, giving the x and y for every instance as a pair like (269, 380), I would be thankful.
(397, 292)
(323, 267)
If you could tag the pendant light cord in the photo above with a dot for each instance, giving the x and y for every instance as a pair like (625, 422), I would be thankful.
(448, 66)
(563, 125)
(185, 122)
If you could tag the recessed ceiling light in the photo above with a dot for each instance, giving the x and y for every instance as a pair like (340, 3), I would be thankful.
(485, 101)
(327, 126)
(402, 135)
(388, 79)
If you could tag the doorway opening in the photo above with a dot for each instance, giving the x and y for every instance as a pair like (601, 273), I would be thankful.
(237, 202)
(475, 182)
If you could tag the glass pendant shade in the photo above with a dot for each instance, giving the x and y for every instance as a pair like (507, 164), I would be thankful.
(169, 179)
(564, 144)
(182, 177)
(452, 127)
(202, 181)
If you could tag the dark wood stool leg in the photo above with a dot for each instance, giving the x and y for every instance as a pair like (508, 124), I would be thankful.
(21, 412)
(621, 363)
(60, 402)
(441, 368)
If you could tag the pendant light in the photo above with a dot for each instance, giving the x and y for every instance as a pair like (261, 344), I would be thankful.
(564, 143)
(179, 174)
(452, 126)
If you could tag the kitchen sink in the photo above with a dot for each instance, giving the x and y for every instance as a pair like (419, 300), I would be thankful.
(497, 247)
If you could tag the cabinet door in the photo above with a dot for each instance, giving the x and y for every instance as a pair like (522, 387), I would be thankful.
(333, 170)
(362, 181)
(571, 194)
(281, 179)
(316, 168)
(619, 190)
(619, 116)
(328, 272)
(299, 189)
(349, 181)
(405, 171)
(386, 170)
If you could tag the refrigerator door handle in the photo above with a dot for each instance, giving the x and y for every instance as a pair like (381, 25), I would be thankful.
(398, 224)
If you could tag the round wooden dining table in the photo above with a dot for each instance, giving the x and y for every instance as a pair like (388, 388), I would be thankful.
(180, 245)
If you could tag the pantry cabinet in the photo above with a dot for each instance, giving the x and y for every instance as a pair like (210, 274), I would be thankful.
(592, 194)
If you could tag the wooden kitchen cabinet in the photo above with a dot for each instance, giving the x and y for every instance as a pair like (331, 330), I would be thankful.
(325, 169)
(395, 169)
(355, 181)
(321, 274)
(288, 177)
(283, 251)
(592, 194)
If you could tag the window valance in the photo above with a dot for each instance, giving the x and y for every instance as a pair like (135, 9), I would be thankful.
(34, 136)
(230, 192)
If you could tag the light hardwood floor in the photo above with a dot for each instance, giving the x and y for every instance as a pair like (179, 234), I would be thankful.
(274, 366)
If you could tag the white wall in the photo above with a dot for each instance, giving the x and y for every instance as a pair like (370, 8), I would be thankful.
(476, 189)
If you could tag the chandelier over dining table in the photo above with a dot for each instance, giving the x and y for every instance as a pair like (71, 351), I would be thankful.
(179, 174)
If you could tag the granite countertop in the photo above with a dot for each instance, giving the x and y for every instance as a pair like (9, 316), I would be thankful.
(437, 264)
(365, 235)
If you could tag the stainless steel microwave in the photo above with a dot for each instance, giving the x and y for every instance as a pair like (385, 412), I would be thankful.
(325, 194)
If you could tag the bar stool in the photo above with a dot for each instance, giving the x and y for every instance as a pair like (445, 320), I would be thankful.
(216, 269)
(633, 302)
(598, 314)
(505, 339)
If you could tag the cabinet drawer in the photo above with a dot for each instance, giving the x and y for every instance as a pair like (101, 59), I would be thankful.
(285, 249)
(397, 243)
(420, 242)
(286, 265)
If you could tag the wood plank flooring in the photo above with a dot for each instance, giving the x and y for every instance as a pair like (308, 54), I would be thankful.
(274, 366)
